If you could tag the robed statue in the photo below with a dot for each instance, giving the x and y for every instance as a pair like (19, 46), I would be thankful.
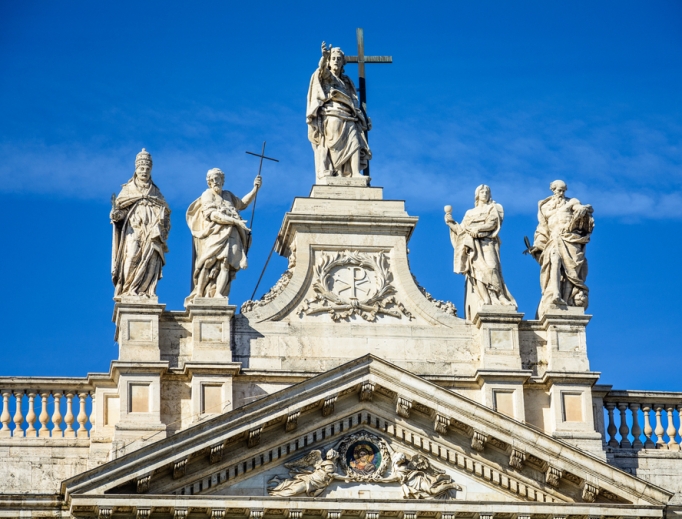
(564, 229)
(221, 237)
(476, 242)
(336, 124)
(141, 220)
(310, 475)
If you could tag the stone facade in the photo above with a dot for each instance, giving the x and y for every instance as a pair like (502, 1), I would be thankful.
(216, 413)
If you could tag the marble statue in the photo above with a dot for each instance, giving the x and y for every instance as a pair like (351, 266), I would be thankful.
(564, 228)
(419, 479)
(477, 250)
(311, 475)
(336, 124)
(221, 237)
(141, 220)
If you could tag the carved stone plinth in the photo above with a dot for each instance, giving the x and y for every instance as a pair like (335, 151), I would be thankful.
(137, 328)
(499, 336)
(211, 321)
(566, 339)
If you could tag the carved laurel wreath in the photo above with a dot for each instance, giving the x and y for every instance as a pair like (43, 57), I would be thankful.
(340, 307)
(369, 438)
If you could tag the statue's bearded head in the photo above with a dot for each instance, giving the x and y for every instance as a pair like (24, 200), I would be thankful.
(215, 179)
(337, 60)
(558, 187)
(143, 166)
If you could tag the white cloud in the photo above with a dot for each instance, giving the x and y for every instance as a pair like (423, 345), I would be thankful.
(630, 169)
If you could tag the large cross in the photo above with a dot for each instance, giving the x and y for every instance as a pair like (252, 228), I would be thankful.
(361, 59)
(260, 167)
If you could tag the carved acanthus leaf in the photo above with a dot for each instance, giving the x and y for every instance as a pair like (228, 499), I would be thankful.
(292, 421)
(517, 458)
(590, 492)
(403, 407)
(478, 440)
(440, 424)
(143, 483)
(445, 306)
(254, 437)
(328, 405)
(366, 391)
(216, 454)
(552, 476)
(179, 468)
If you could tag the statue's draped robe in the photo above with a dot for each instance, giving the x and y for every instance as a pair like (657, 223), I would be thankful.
(215, 243)
(568, 241)
(479, 258)
(335, 123)
(139, 242)
(312, 483)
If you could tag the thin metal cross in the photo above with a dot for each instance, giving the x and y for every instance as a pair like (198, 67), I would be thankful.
(361, 59)
(260, 167)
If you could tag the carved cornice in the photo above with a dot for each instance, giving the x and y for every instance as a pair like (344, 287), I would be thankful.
(388, 381)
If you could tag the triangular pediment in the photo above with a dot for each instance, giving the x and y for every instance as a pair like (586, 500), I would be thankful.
(490, 456)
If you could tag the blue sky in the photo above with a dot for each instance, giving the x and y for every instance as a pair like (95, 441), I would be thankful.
(511, 94)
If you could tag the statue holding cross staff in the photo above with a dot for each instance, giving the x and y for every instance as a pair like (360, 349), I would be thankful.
(336, 124)
(221, 237)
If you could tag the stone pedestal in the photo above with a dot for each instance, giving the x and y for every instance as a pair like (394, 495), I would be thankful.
(566, 340)
(137, 328)
(139, 401)
(211, 319)
(498, 328)
(572, 412)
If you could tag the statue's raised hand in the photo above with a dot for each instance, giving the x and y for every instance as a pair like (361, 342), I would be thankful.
(326, 51)
(257, 182)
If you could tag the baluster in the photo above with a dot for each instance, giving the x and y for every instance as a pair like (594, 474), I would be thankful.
(5, 417)
(31, 431)
(82, 417)
(624, 429)
(659, 426)
(671, 430)
(611, 429)
(93, 412)
(648, 444)
(56, 415)
(679, 416)
(68, 418)
(636, 429)
(18, 417)
(44, 417)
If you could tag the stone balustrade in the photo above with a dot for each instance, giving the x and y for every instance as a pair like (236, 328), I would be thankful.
(33, 407)
(642, 420)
